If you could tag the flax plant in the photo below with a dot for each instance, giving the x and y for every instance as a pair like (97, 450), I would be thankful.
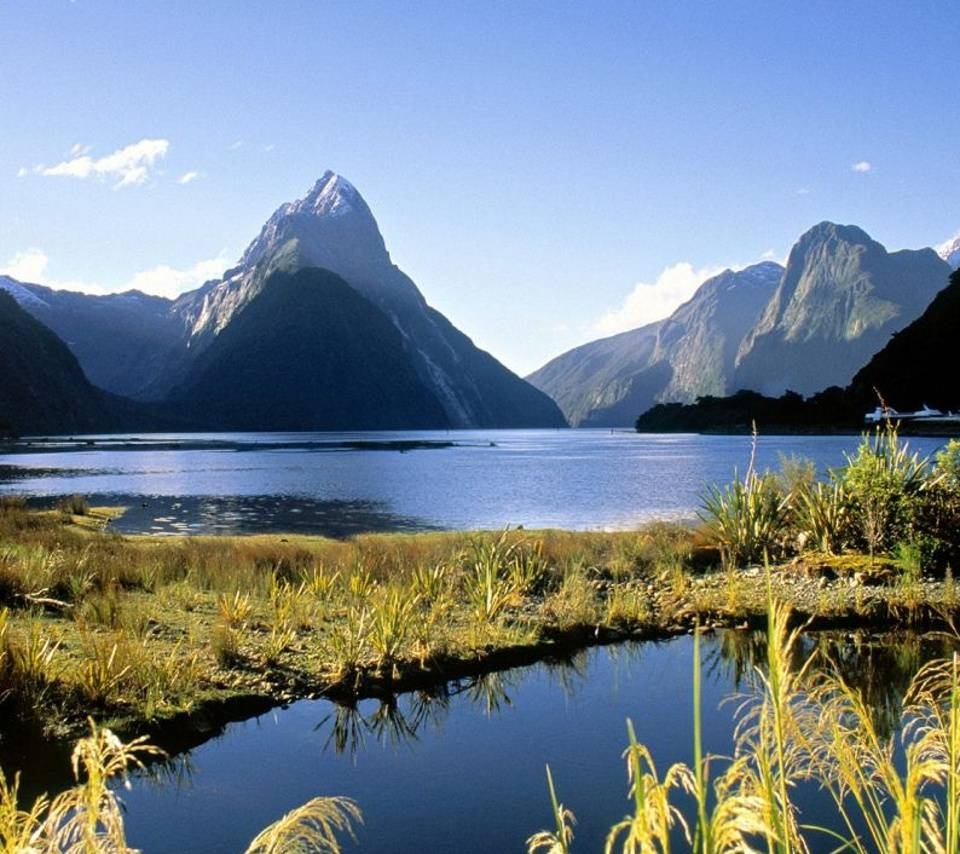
(394, 611)
(746, 519)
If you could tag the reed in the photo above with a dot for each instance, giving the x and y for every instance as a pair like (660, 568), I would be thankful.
(88, 818)
(560, 840)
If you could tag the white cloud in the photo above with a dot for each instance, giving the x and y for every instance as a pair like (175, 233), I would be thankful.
(269, 148)
(26, 266)
(78, 150)
(187, 177)
(650, 301)
(22, 172)
(239, 143)
(167, 281)
(163, 280)
(803, 191)
(129, 165)
(862, 166)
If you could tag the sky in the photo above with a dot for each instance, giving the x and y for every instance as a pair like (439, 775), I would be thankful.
(546, 172)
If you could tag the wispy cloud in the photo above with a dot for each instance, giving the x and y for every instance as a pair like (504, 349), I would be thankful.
(862, 166)
(32, 265)
(78, 149)
(650, 301)
(128, 166)
(167, 281)
(269, 148)
(236, 144)
(187, 177)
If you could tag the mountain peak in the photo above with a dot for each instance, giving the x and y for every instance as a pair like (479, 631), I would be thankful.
(950, 251)
(332, 195)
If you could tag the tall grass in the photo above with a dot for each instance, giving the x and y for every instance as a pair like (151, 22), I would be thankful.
(88, 818)
(800, 726)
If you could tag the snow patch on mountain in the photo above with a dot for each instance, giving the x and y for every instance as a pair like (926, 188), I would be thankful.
(24, 296)
(950, 251)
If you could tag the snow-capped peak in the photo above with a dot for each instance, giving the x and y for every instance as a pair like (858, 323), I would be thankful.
(950, 251)
(333, 195)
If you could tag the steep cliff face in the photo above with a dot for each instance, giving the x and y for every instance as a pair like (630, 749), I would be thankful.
(332, 228)
(841, 297)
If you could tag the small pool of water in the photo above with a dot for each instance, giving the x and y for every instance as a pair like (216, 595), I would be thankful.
(463, 769)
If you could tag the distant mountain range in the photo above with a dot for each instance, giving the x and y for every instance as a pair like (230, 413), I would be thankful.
(769, 329)
(607, 383)
(914, 369)
(315, 328)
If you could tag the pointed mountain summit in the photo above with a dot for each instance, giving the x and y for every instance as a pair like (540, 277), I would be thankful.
(333, 229)
(841, 297)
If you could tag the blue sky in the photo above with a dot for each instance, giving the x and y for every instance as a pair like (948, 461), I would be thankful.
(545, 172)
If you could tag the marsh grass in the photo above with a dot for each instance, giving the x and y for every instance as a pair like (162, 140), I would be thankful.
(88, 818)
(339, 614)
(802, 724)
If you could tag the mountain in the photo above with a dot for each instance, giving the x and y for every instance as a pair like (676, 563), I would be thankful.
(150, 348)
(950, 251)
(333, 228)
(308, 353)
(841, 297)
(606, 383)
(42, 387)
(918, 365)
(123, 341)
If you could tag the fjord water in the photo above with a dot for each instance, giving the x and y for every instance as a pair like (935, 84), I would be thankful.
(344, 483)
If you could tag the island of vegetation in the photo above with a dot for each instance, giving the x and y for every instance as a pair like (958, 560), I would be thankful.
(168, 638)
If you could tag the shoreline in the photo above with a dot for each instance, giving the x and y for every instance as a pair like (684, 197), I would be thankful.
(176, 637)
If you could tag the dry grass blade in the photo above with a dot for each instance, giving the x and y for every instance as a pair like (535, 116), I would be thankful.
(557, 841)
(88, 817)
(311, 828)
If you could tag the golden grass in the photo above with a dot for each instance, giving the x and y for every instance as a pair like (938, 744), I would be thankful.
(135, 629)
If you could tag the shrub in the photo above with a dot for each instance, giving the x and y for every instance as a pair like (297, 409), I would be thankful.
(884, 480)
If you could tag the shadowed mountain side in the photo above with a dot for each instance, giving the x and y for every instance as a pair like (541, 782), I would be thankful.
(919, 364)
(42, 386)
(596, 375)
(123, 341)
(309, 353)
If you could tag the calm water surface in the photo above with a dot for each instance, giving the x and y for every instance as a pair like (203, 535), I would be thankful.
(343, 483)
(464, 772)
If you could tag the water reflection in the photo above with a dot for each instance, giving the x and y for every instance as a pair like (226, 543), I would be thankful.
(879, 667)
